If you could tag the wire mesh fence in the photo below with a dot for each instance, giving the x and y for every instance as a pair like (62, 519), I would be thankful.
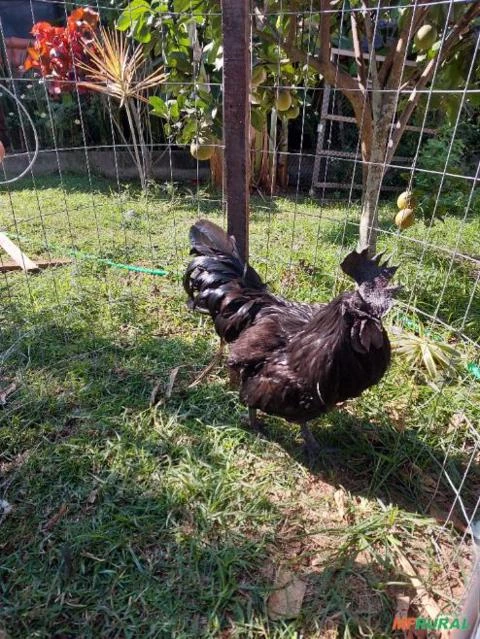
(99, 187)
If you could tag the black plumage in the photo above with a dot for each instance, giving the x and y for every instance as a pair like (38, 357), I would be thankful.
(293, 360)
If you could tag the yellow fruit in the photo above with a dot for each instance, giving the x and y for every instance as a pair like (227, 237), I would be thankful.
(2, 152)
(425, 37)
(259, 75)
(406, 200)
(284, 100)
(293, 112)
(201, 151)
(405, 218)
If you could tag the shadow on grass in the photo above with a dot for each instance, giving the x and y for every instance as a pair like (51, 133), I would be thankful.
(70, 182)
(74, 183)
(129, 521)
(376, 460)
(345, 232)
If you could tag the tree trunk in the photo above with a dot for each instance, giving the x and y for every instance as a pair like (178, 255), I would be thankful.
(216, 168)
(260, 159)
(282, 170)
(272, 151)
(369, 216)
(374, 171)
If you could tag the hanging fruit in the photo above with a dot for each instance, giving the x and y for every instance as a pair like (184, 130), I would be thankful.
(425, 37)
(259, 76)
(405, 218)
(293, 112)
(284, 100)
(406, 200)
(202, 149)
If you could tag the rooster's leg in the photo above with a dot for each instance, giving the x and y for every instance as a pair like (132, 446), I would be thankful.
(312, 447)
(233, 379)
(256, 425)
(217, 358)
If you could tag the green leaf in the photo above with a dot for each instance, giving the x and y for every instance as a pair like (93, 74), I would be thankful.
(141, 32)
(159, 106)
(258, 119)
(173, 110)
(160, 6)
(131, 13)
(179, 60)
(206, 96)
(189, 130)
(189, 7)
(124, 22)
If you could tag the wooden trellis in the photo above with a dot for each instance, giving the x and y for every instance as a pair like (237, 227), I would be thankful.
(325, 153)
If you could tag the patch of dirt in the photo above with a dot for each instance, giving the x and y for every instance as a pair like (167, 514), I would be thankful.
(15, 463)
(316, 521)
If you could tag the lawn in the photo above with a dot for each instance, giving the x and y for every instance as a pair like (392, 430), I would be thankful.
(136, 520)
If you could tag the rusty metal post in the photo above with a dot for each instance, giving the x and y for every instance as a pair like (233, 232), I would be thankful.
(236, 116)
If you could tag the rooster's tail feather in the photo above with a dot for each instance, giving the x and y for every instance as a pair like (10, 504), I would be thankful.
(217, 278)
(207, 238)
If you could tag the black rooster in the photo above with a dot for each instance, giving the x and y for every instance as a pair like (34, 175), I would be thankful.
(293, 360)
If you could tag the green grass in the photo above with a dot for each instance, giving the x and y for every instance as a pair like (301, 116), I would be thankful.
(132, 521)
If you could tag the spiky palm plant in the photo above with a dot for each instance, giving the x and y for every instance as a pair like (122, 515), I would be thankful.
(118, 69)
(422, 351)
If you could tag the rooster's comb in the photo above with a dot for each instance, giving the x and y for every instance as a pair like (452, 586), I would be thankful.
(363, 269)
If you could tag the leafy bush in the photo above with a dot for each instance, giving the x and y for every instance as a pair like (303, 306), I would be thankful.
(438, 189)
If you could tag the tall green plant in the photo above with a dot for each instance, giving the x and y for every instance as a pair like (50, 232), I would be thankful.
(188, 39)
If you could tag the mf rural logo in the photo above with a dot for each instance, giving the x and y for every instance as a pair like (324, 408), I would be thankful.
(422, 623)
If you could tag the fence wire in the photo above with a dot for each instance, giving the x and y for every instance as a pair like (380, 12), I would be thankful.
(80, 200)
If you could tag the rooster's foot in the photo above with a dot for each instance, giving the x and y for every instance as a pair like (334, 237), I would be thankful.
(310, 445)
(255, 424)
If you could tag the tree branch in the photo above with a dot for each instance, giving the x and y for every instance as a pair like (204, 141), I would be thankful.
(376, 95)
(322, 63)
(350, 87)
(448, 46)
(396, 54)
(361, 73)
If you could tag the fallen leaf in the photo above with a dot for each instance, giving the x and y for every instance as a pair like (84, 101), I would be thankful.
(330, 627)
(403, 604)
(171, 381)
(92, 498)
(455, 422)
(339, 497)
(155, 394)
(286, 600)
(429, 605)
(54, 519)
(158, 393)
(6, 392)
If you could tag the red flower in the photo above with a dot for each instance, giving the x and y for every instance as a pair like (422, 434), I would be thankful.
(57, 50)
